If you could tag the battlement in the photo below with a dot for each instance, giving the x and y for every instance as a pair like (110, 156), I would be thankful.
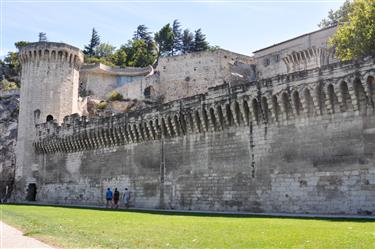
(337, 89)
(51, 51)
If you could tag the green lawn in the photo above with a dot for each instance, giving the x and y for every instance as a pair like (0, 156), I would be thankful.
(87, 228)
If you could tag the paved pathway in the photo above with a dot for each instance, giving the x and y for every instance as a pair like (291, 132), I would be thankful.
(13, 238)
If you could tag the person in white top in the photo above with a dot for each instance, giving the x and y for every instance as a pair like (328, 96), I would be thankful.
(126, 197)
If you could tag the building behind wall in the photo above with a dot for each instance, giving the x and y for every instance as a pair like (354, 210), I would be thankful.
(233, 133)
(174, 77)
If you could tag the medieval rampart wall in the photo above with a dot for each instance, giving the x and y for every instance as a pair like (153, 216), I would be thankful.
(191, 74)
(301, 142)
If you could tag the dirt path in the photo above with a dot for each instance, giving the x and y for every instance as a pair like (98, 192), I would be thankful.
(13, 238)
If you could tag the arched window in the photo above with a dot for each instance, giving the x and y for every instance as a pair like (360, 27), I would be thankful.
(49, 118)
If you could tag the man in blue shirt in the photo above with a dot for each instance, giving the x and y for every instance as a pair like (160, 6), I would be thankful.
(108, 197)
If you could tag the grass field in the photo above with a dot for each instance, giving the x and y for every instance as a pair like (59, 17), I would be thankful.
(87, 228)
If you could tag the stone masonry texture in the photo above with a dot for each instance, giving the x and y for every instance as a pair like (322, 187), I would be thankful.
(298, 142)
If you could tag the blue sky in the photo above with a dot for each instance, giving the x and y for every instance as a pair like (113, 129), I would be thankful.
(242, 25)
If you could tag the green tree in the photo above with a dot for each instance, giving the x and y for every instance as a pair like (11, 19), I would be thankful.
(138, 54)
(115, 96)
(119, 58)
(21, 44)
(356, 38)
(164, 39)
(104, 50)
(200, 43)
(8, 85)
(13, 63)
(94, 42)
(187, 42)
(142, 33)
(93, 59)
(177, 37)
(335, 17)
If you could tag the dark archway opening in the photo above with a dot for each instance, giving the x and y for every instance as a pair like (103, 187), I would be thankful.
(149, 92)
(31, 192)
(49, 118)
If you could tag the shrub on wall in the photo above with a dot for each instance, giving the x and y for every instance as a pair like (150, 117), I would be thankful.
(115, 96)
(102, 105)
(7, 85)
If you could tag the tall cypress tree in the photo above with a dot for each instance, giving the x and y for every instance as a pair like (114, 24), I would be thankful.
(177, 37)
(187, 42)
(164, 38)
(94, 42)
(142, 33)
(200, 43)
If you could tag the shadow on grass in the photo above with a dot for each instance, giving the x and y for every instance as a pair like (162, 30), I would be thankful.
(370, 219)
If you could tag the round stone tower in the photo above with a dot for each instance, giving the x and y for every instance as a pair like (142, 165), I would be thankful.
(49, 91)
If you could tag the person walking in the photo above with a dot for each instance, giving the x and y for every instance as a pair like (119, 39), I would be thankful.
(108, 197)
(116, 197)
(126, 197)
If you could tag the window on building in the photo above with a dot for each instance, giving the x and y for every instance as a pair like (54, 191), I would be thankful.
(277, 58)
(266, 62)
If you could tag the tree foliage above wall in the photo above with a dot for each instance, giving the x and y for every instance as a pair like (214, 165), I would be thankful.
(143, 48)
(356, 37)
(336, 17)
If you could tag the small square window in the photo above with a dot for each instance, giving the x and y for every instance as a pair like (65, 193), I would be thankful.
(266, 62)
(277, 58)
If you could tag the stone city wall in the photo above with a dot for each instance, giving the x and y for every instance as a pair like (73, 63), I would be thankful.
(301, 142)
(190, 74)
(175, 77)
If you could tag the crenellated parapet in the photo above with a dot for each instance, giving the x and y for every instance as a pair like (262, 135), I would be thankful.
(336, 89)
(51, 52)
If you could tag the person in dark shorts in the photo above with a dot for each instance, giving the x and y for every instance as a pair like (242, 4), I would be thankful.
(116, 197)
(108, 197)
